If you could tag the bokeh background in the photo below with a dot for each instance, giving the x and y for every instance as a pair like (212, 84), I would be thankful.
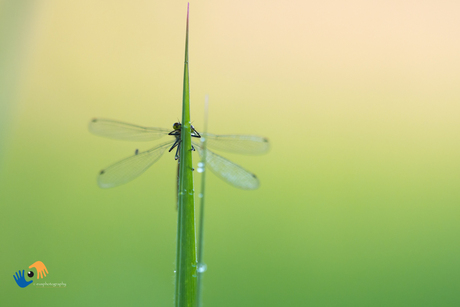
(359, 197)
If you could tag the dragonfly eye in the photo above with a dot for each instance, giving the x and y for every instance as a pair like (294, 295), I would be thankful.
(176, 126)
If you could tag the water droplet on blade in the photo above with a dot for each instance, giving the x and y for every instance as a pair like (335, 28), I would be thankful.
(202, 268)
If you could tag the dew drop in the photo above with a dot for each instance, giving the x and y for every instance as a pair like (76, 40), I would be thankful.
(202, 268)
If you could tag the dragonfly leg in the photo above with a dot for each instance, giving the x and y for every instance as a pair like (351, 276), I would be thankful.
(174, 133)
(195, 133)
(177, 151)
(174, 145)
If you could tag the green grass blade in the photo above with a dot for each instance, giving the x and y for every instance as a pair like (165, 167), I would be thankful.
(185, 294)
(202, 169)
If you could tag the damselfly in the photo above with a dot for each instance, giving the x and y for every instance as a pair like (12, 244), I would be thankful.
(131, 167)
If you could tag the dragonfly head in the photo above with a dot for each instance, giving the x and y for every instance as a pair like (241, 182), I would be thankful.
(177, 126)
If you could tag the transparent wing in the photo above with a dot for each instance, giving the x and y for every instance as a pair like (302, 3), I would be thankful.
(123, 131)
(242, 144)
(130, 168)
(229, 171)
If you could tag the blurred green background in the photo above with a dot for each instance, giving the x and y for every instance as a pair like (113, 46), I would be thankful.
(359, 197)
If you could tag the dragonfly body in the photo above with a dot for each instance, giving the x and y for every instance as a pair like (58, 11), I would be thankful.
(127, 169)
(177, 133)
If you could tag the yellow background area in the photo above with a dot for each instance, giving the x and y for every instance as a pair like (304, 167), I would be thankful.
(359, 196)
